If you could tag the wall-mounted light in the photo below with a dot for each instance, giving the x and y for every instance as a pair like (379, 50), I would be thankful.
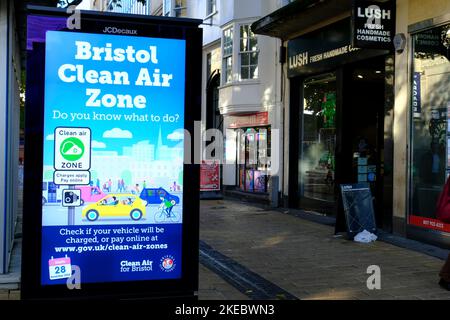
(399, 42)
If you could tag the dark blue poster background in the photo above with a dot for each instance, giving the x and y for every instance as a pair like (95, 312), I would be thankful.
(115, 253)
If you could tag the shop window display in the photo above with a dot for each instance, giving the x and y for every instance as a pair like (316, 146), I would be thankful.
(253, 159)
(319, 138)
(430, 136)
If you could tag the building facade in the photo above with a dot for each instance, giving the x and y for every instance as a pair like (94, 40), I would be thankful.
(377, 115)
(421, 126)
(10, 84)
(249, 100)
(122, 6)
(240, 97)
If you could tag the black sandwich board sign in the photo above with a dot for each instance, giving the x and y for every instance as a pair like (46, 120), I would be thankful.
(107, 106)
(357, 207)
(373, 24)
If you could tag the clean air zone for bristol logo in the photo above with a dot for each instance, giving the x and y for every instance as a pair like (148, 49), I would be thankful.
(72, 149)
(167, 263)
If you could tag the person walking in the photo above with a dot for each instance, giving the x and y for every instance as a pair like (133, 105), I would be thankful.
(136, 189)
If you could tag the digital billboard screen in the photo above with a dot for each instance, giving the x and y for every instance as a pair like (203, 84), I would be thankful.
(113, 146)
(110, 115)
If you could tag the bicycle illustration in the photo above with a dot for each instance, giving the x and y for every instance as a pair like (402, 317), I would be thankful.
(166, 214)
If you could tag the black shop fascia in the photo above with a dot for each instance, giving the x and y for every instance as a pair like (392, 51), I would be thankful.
(339, 101)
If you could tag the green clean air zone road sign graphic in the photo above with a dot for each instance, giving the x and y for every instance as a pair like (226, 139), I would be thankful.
(72, 149)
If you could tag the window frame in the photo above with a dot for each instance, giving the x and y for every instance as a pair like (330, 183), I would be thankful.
(248, 52)
(180, 9)
(167, 12)
(227, 54)
(211, 7)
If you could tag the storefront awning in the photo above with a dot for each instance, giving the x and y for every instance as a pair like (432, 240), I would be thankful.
(288, 21)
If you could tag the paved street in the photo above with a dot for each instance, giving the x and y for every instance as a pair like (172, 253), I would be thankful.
(213, 287)
(245, 248)
(306, 260)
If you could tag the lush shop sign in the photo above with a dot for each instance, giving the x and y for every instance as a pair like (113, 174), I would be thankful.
(105, 193)
(373, 24)
(324, 50)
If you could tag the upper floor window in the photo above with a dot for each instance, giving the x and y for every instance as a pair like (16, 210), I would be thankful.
(210, 7)
(286, 2)
(248, 53)
(167, 7)
(228, 54)
(180, 8)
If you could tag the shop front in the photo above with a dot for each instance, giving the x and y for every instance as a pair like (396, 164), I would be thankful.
(253, 141)
(429, 212)
(339, 99)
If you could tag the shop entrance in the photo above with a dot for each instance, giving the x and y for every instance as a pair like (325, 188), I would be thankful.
(361, 146)
(341, 135)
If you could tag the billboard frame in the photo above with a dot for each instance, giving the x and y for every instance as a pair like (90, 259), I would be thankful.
(146, 26)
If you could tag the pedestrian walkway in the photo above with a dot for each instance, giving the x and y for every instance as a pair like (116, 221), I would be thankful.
(213, 287)
(292, 258)
(305, 258)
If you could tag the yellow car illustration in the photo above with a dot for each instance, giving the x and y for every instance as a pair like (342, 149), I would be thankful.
(116, 205)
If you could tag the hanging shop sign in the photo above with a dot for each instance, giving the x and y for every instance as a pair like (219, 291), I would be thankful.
(113, 107)
(373, 24)
(417, 95)
(324, 50)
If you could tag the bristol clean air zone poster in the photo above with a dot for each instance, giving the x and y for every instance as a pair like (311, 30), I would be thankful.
(113, 158)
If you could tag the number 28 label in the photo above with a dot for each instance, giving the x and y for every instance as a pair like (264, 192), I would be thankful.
(59, 268)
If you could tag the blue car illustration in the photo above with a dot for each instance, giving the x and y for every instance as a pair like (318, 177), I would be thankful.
(154, 195)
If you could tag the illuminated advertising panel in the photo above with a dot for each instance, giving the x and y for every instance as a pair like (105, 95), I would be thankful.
(113, 112)
(109, 165)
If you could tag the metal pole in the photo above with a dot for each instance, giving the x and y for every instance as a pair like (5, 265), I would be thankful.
(71, 211)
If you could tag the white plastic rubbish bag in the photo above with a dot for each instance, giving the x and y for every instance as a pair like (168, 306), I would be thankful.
(365, 237)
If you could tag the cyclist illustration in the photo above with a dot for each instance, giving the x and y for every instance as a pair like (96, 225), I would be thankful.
(167, 205)
(165, 211)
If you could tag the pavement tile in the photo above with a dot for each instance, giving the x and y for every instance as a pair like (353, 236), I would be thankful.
(307, 260)
(14, 295)
(213, 287)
